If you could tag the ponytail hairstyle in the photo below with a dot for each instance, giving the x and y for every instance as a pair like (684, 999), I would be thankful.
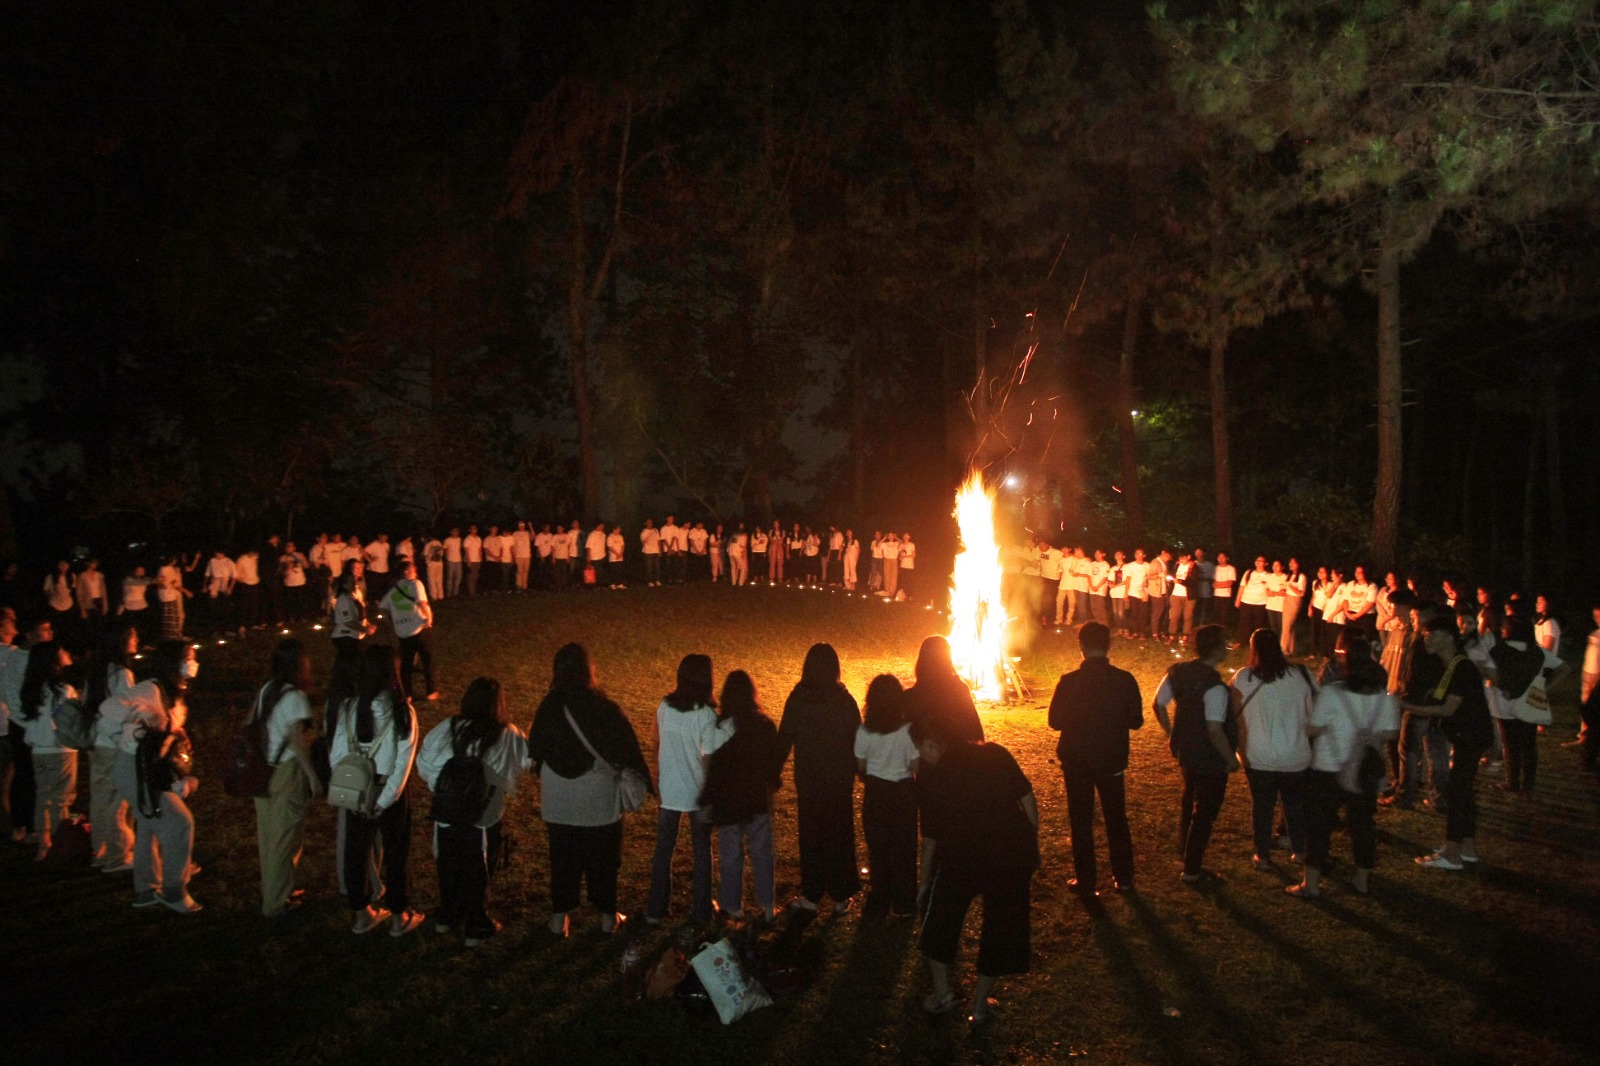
(1362, 674)
(379, 674)
(166, 669)
(40, 678)
(1267, 660)
(482, 721)
(291, 669)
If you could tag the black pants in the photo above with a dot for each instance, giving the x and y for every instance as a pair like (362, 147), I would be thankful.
(1323, 801)
(1003, 943)
(1222, 609)
(1461, 816)
(1521, 740)
(1589, 711)
(1252, 616)
(1266, 787)
(394, 827)
(889, 822)
(467, 858)
(249, 597)
(1330, 637)
(1081, 788)
(580, 853)
(22, 791)
(412, 648)
(827, 846)
(1202, 801)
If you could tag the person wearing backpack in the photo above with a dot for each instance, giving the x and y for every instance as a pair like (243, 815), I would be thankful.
(1522, 672)
(55, 764)
(110, 681)
(741, 776)
(471, 762)
(1200, 742)
(412, 617)
(1275, 700)
(1351, 719)
(580, 744)
(283, 715)
(372, 750)
(161, 816)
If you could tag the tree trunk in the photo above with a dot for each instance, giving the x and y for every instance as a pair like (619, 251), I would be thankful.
(1549, 409)
(1529, 478)
(578, 341)
(858, 434)
(1222, 471)
(1132, 505)
(1386, 495)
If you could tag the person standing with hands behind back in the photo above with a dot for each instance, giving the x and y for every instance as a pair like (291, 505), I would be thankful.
(1094, 708)
(1200, 743)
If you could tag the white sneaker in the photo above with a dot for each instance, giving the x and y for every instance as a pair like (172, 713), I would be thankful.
(186, 905)
(1438, 861)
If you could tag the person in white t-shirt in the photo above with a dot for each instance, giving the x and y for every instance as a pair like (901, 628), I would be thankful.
(544, 545)
(616, 546)
(283, 714)
(1276, 581)
(1135, 574)
(852, 561)
(908, 565)
(89, 589)
(650, 549)
(1223, 580)
(522, 554)
(672, 550)
(452, 563)
(1158, 586)
(686, 735)
(1099, 588)
(1333, 611)
(1360, 603)
(1117, 592)
(412, 617)
(1180, 605)
(833, 555)
(699, 544)
(494, 560)
(716, 552)
(508, 546)
(1052, 577)
(739, 546)
(887, 762)
(376, 555)
(1275, 700)
(433, 559)
(1294, 598)
(891, 565)
(562, 548)
(1251, 598)
(472, 550)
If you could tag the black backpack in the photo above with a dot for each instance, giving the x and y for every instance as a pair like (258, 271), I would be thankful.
(161, 759)
(462, 792)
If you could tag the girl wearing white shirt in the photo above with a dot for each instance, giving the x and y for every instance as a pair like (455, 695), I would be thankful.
(55, 766)
(1359, 702)
(886, 760)
(1333, 611)
(163, 840)
(1275, 702)
(58, 594)
(686, 734)
(715, 545)
(282, 713)
(852, 561)
(467, 854)
(1546, 630)
(908, 566)
(1321, 589)
(110, 681)
(1294, 594)
(380, 722)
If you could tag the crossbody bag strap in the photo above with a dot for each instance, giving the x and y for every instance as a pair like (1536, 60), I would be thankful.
(266, 725)
(601, 759)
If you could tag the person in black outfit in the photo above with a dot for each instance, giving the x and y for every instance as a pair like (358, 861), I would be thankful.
(940, 699)
(819, 723)
(1461, 707)
(741, 776)
(1200, 742)
(980, 825)
(1093, 708)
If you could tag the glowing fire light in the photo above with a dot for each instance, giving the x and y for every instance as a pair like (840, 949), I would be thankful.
(977, 615)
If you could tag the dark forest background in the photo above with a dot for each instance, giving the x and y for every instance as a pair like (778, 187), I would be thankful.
(1308, 277)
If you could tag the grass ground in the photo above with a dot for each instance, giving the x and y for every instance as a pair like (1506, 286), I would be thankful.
(1496, 964)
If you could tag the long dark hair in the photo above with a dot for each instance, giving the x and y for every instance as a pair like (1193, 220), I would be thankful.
(821, 668)
(1266, 656)
(42, 674)
(934, 662)
(482, 720)
(1362, 673)
(694, 684)
(166, 669)
(291, 669)
(379, 672)
(573, 672)
(110, 654)
(885, 705)
(739, 702)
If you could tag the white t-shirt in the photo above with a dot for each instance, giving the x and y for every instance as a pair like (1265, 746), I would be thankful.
(1359, 599)
(504, 762)
(1099, 574)
(90, 586)
(1256, 588)
(908, 555)
(245, 571)
(146, 709)
(1275, 584)
(114, 708)
(378, 557)
(1222, 580)
(521, 545)
(544, 544)
(471, 546)
(1548, 634)
(615, 546)
(293, 567)
(888, 755)
(1333, 606)
(1119, 582)
(404, 602)
(58, 589)
(1050, 565)
(698, 539)
(650, 541)
(1294, 587)
(219, 572)
(133, 590)
(291, 709)
(687, 740)
(1503, 706)
(452, 549)
(493, 549)
(41, 731)
(1134, 574)
(1273, 722)
(1341, 713)
(562, 545)
(596, 545)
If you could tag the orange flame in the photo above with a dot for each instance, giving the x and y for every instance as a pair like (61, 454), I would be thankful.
(977, 614)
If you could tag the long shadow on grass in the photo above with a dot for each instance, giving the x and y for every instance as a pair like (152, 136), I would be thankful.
(1140, 992)
(864, 990)
(1195, 980)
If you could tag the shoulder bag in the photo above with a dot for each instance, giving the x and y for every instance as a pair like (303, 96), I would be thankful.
(632, 788)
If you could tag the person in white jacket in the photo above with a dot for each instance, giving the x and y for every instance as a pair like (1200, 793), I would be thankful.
(466, 854)
(381, 723)
(163, 824)
(110, 681)
(55, 766)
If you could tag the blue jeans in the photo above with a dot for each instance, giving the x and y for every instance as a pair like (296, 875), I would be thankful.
(667, 823)
(731, 843)
(1419, 735)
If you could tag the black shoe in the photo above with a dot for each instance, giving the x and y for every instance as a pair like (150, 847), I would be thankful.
(1125, 887)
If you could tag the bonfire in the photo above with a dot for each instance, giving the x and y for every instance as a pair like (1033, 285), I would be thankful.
(977, 614)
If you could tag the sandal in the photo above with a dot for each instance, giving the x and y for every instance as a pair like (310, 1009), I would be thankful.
(1302, 892)
(934, 1004)
(984, 1012)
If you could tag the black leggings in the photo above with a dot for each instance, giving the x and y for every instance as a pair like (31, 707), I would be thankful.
(394, 826)
(1461, 817)
(1521, 741)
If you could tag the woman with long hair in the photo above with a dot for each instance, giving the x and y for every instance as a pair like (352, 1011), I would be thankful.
(886, 760)
(1346, 709)
(940, 698)
(1275, 707)
(1321, 591)
(467, 852)
(381, 723)
(110, 679)
(55, 766)
(579, 743)
(1294, 598)
(742, 774)
(163, 826)
(282, 713)
(686, 734)
(1459, 703)
(820, 719)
